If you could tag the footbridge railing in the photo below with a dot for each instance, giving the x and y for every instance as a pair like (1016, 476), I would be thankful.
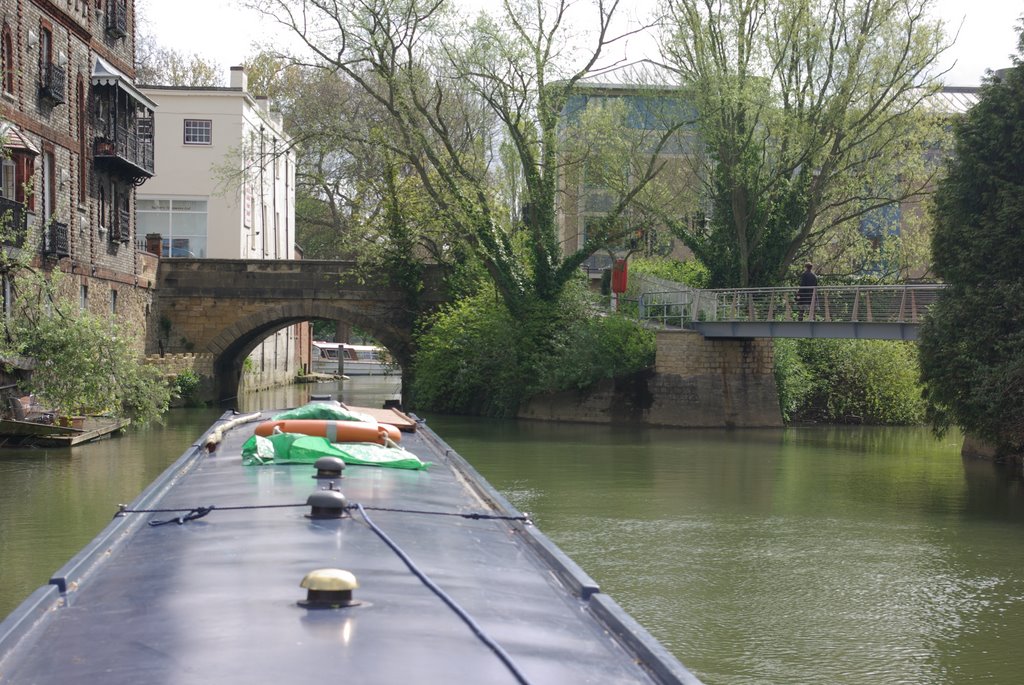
(877, 311)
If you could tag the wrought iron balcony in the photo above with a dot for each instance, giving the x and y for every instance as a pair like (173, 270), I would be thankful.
(55, 240)
(13, 222)
(53, 81)
(127, 154)
(117, 18)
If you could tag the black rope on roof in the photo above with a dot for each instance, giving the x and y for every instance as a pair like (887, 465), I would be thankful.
(446, 598)
(193, 513)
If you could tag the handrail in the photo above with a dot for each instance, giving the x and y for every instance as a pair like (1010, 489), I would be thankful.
(905, 304)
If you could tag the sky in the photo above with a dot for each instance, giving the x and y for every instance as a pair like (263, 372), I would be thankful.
(220, 31)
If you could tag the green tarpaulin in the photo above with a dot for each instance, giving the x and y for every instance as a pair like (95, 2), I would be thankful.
(292, 448)
(321, 410)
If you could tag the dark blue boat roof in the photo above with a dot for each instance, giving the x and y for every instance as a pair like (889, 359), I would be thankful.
(216, 600)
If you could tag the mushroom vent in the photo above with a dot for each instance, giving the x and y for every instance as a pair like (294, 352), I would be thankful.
(329, 588)
(329, 467)
(326, 504)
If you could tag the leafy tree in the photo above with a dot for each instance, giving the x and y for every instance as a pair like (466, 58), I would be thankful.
(812, 120)
(84, 364)
(972, 344)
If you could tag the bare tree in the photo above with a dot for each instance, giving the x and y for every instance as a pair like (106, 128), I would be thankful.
(466, 102)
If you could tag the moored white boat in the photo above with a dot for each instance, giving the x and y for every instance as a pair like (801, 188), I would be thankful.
(358, 360)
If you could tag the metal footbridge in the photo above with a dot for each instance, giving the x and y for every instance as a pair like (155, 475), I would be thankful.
(881, 312)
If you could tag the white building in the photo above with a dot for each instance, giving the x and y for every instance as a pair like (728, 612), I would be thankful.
(224, 188)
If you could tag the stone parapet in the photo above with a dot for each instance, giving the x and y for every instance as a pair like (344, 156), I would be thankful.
(174, 364)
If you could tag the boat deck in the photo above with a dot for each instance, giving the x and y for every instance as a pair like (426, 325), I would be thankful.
(215, 600)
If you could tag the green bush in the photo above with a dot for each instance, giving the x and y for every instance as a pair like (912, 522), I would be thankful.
(467, 361)
(691, 272)
(792, 378)
(849, 381)
(184, 386)
(85, 365)
(475, 358)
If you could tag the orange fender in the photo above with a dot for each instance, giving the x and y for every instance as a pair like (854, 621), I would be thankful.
(335, 431)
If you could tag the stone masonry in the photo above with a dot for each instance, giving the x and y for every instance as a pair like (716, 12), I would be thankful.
(224, 307)
(696, 383)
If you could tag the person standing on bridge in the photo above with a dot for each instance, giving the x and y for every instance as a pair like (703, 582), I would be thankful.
(805, 294)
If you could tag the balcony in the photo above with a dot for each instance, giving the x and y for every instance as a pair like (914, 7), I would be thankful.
(53, 83)
(13, 223)
(55, 240)
(127, 154)
(117, 18)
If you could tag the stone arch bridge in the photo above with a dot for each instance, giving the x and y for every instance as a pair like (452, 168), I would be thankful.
(218, 310)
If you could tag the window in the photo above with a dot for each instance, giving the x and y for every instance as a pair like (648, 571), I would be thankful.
(103, 207)
(45, 49)
(7, 176)
(198, 132)
(48, 178)
(83, 297)
(16, 166)
(83, 170)
(113, 302)
(7, 45)
(144, 127)
(181, 224)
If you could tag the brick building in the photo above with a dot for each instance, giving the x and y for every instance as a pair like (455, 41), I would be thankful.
(77, 139)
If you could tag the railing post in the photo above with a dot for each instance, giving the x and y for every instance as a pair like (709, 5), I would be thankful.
(856, 304)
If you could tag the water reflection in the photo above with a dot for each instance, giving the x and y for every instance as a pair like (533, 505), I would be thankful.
(54, 500)
(839, 555)
(362, 391)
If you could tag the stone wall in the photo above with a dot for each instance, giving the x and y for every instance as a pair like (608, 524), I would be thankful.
(173, 364)
(696, 383)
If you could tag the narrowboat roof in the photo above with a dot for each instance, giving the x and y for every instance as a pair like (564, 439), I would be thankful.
(217, 599)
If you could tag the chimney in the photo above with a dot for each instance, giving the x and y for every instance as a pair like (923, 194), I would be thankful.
(238, 79)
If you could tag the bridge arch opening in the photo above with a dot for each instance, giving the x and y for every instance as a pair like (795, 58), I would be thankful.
(234, 343)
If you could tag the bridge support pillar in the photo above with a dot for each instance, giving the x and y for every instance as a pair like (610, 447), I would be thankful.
(701, 381)
(697, 382)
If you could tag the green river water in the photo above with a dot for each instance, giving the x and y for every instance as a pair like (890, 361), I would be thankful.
(805, 555)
